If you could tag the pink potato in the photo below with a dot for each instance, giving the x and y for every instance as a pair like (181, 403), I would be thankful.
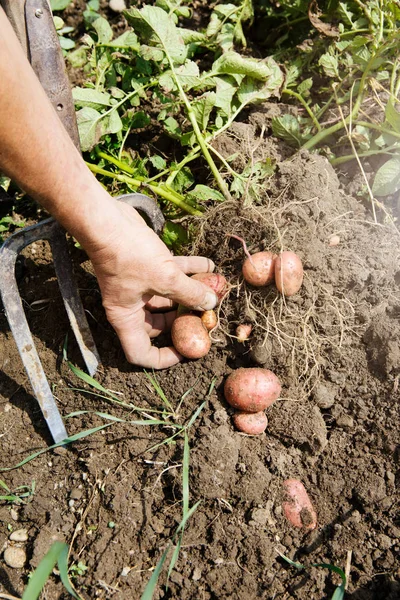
(209, 319)
(297, 506)
(189, 336)
(243, 332)
(250, 423)
(259, 271)
(215, 281)
(288, 273)
(252, 390)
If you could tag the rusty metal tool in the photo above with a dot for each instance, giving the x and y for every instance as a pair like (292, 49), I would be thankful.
(39, 37)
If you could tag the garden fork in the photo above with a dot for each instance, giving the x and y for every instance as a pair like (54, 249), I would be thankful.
(33, 22)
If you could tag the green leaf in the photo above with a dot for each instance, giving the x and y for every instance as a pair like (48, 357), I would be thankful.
(103, 30)
(202, 108)
(57, 553)
(90, 97)
(92, 126)
(172, 127)
(174, 235)
(226, 89)
(66, 43)
(392, 116)
(387, 178)
(234, 63)
(127, 40)
(203, 193)
(287, 128)
(305, 86)
(78, 58)
(139, 120)
(252, 90)
(151, 53)
(59, 4)
(157, 29)
(330, 65)
(158, 162)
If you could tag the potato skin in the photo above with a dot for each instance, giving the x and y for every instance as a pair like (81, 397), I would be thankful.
(252, 390)
(297, 507)
(261, 272)
(209, 319)
(189, 336)
(288, 273)
(250, 423)
(243, 332)
(215, 281)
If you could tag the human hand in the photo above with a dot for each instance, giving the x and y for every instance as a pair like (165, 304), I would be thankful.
(137, 275)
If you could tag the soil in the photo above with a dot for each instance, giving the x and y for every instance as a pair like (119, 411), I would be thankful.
(117, 500)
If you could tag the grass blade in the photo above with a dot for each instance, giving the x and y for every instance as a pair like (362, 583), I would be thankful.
(151, 585)
(92, 382)
(159, 390)
(68, 440)
(43, 571)
(63, 568)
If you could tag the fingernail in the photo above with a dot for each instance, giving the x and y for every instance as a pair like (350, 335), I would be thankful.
(210, 301)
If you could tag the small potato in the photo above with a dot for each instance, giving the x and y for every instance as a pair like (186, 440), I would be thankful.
(190, 337)
(250, 423)
(261, 272)
(297, 507)
(215, 281)
(243, 332)
(288, 273)
(209, 319)
(252, 390)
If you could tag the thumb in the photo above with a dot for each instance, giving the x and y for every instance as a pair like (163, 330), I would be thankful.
(192, 293)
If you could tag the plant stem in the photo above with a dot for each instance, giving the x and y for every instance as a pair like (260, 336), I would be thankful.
(321, 135)
(198, 134)
(159, 191)
(343, 159)
(300, 98)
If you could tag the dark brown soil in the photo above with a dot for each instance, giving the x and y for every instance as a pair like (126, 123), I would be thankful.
(336, 427)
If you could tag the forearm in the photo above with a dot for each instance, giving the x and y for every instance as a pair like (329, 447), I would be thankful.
(37, 153)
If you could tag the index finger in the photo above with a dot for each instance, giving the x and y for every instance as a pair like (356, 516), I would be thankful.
(194, 264)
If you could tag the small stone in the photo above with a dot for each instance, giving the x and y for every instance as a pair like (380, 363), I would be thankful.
(7, 407)
(260, 354)
(76, 494)
(345, 421)
(196, 574)
(117, 5)
(14, 514)
(324, 396)
(125, 571)
(218, 561)
(60, 450)
(71, 503)
(14, 557)
(384, 542)
(390, 477)
(19, 535)
(334, 240)
(259, 516)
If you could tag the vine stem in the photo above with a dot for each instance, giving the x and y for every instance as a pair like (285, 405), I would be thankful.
(169, 195)
(300, 98)
(199, 136)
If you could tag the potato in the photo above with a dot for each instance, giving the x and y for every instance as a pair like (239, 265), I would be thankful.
(297, 507)
(209, 319)
(250, 423)
(243, 331)
(252, 390)
(189, 336)
(215, 281)
(288, 273)
(261, 272)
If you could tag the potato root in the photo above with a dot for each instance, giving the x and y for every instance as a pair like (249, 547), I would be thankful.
(189, 336)
(297, 506)
(259, 271)
(250, 423)
(252, 390)
(288, 273)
